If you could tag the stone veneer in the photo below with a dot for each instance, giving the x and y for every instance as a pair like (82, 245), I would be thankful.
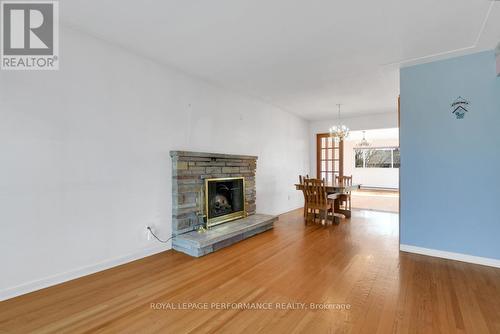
(190, 169)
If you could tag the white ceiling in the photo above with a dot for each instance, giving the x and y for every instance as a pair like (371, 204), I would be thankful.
(304, 56)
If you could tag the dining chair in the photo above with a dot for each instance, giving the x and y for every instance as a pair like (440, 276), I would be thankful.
(345, 197)
(301, 182)
(318, 200)
(302, 178)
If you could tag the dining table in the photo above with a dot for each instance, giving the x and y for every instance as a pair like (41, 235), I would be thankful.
(335, 188)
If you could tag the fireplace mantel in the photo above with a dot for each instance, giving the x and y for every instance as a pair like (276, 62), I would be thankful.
(188, 154)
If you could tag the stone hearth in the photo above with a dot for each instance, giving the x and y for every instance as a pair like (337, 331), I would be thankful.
(199, 244)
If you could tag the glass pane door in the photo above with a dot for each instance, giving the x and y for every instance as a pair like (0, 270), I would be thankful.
(329, 157)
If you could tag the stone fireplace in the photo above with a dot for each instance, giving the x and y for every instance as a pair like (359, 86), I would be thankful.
(190, 173)
(214, 191)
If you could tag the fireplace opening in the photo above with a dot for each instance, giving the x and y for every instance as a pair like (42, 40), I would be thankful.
(224, 200)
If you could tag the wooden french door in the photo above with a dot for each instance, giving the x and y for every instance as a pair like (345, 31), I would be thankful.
(330, 157)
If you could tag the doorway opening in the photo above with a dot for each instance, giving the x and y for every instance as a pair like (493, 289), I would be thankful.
(373, 163)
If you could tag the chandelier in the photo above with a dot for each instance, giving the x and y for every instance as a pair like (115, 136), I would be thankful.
(339, 131)
(364, 142)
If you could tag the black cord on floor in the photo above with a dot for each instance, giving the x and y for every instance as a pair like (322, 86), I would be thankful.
(162, 241)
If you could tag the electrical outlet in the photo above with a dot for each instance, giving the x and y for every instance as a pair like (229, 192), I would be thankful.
(148, 233)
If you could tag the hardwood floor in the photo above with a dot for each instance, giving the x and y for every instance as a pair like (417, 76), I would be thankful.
(355, 263)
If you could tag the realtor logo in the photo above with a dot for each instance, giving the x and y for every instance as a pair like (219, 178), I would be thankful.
(30, 35)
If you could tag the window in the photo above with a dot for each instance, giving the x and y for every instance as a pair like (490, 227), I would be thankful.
(359, 158)
(384, 157)
(396, 159)
(329, 157)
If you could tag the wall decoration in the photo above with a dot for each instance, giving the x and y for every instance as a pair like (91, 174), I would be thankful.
(459, 107)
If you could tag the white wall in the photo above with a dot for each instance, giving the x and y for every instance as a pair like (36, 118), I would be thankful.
(85, 158)
(376, 121)
(371, 177)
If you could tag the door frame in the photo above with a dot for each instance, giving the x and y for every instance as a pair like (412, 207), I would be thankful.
(319, 136)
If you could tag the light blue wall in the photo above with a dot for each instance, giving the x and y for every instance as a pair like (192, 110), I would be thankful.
(450, 169)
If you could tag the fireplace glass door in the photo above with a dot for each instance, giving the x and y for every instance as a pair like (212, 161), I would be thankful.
(224, 200)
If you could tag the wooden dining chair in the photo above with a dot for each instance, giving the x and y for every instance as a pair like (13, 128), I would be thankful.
(318, 201)
(302, 178)
(345, 197)
(301, 182)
